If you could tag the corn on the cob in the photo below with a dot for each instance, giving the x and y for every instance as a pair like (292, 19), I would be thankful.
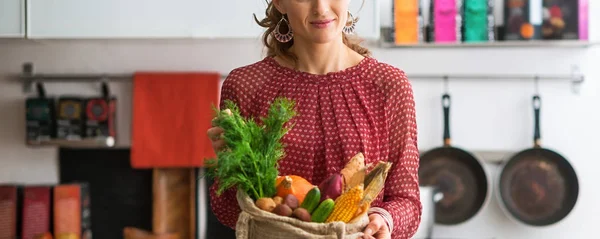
(376, 182)
(346, 205)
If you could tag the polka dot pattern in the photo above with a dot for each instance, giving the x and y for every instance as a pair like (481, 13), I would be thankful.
(366, 108)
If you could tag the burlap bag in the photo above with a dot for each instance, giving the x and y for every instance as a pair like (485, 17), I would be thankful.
(254, 223)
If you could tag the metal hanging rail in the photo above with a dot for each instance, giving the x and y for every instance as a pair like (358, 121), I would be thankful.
(28, 77)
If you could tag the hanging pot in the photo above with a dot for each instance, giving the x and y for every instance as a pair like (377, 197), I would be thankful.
(537, 186)
(458, 174)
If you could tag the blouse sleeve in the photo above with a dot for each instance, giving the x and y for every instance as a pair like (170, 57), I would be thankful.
(225, 206)
(401, 193)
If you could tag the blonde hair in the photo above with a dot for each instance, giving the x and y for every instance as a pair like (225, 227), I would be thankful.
(280, 49)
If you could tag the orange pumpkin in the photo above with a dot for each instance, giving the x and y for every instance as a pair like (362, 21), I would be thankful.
(293, 184)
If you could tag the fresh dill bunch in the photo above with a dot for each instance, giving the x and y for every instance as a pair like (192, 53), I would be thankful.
(250, 158)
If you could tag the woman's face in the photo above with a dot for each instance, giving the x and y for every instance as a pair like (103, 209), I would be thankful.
(318, 21)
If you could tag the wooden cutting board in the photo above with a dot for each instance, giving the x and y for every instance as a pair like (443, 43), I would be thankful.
(174, 202)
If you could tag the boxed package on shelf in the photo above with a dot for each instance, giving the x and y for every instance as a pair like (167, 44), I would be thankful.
(479, 22)
(565, 20)
(523, 20)
(9, 206)
(72, 211)
(408, 22)
(445, 21)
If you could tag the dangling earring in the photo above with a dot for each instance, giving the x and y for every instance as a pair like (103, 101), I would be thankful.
(283, 38)
(350, 25)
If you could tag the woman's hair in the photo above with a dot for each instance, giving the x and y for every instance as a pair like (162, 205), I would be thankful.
(276, 48)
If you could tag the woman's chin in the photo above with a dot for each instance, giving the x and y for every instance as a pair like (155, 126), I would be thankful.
(324, 38)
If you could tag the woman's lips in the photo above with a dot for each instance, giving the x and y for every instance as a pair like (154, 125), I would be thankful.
(321, 23)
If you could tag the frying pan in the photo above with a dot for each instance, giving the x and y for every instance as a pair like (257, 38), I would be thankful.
(537, 186)
(459, 176)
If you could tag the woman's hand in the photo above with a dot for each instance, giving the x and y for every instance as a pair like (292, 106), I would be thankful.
(215, 136)
(377, 228)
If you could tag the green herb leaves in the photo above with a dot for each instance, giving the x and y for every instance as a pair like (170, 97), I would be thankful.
(249, 160)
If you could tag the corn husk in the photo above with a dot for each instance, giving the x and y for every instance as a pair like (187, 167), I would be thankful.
(375, 181)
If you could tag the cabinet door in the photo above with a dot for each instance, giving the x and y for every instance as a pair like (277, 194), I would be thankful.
(12, 18)
(164, 19)
(230, 19)
(234, 18)
(113, 18)
(368, 25)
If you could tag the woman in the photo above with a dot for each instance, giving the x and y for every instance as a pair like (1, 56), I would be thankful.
(347, 102)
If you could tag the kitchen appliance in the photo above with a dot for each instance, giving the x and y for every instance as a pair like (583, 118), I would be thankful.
(478, 21)
(100, 115)
(537, 186)
(458, 174)
(40, 117)
(446, 21)
(429, 197)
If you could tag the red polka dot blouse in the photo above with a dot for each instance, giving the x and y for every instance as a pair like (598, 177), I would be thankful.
(366, 108)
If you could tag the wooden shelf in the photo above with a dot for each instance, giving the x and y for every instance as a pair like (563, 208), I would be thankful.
(498, 44)
(100, 142)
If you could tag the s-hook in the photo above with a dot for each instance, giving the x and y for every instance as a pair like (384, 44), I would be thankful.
(536, 85)
(446, 88)
(577, 79)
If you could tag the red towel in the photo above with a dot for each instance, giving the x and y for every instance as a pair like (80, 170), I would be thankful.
(171, 114)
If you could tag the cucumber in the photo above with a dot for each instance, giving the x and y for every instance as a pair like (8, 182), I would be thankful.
(312, 199)
(323, 210)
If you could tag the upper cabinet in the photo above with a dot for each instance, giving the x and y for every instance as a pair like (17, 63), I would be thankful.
(113, 18)
(12, 18)
(164, 19)
(368, 25)
(229, 18)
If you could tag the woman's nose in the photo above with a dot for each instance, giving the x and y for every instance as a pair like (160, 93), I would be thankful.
(321, 7)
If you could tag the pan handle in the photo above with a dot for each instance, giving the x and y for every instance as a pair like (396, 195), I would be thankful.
(537, 103)
(446, 105)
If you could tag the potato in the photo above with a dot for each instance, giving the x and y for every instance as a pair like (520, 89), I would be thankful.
(278, 200)
(291, 201)
(283, 210)
(302, 214)
(266, 204)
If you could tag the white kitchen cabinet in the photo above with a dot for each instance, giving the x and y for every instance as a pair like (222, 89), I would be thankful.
(164, 19)
(368, 25)
(143, 18)
(112, 18)
(12, 18)
(230, 19)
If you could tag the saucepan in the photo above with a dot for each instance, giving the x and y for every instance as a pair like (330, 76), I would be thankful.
(537, 186)
(430, 195)
(458, 174)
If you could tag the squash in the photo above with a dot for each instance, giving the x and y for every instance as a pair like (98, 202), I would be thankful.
(293, 184)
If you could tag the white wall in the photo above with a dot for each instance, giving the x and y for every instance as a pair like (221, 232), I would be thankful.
(486, 114)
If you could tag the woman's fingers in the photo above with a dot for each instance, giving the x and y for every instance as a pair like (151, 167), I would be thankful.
(375, 223)
(215, 136)
(214, 133)
(218, 145)
(377, 229)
